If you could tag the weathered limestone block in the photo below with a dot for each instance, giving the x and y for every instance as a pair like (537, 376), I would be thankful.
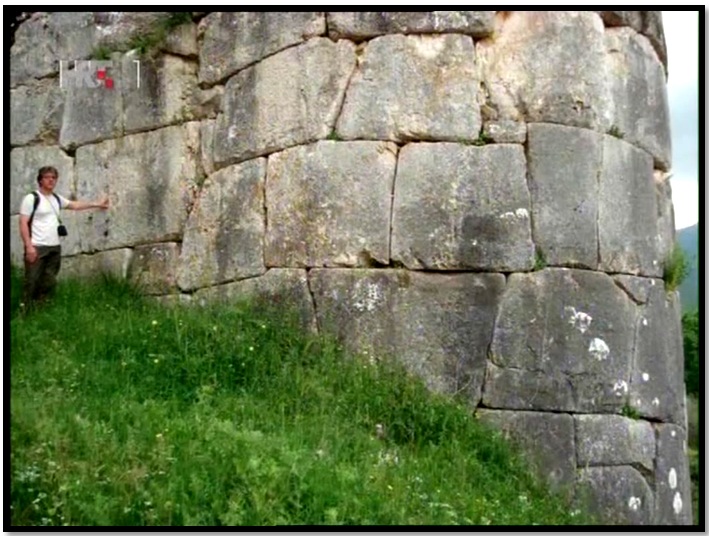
(153, 267)
(665, 215)
(47, 38)
(24, 165)
(207, 103)
(617, 495)
(360, 25)
(414, 88)
(657, 383)
(563, 341)
(673, 504)
(166, 95)
(206, 144)
(614, 440)
(505, 131)
(283, 288)
(17, 248)
(627, 211)
(288, 99)
(546, 66)
(563, 169)
(236, 39)
(150, 179)
(637, 288)
(224, 235)
(36, 113)
(648, 23)
(90, 115)
(458, 207)
(546, 438)
(115, 262)
(115, 28)
(438, 326)
(329, 204)
(638, 94)
(182, 41)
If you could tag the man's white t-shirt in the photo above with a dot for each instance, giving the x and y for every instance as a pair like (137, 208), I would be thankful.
(46, 218)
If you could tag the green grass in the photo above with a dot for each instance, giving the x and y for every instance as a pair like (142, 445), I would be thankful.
(125, 413)
(676, 267)
(148, 41)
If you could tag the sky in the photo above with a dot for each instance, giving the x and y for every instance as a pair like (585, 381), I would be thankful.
(681, 36)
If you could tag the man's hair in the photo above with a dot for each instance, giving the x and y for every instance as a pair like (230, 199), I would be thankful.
(47, 169)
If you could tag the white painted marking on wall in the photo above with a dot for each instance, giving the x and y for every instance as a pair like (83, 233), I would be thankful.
(672, 478)
(634, 503)
(677, 503)
(578, 319)
(620, 388)
(655, 401)
(673, 433)
(599, 349)
(644, 321)
(646, 376)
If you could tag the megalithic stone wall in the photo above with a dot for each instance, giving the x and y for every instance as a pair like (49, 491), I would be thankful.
(482, 195)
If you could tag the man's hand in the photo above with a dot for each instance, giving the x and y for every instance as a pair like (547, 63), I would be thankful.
(103, 204)
(31, 254)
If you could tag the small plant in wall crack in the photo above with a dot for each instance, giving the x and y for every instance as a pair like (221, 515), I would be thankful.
(630, 412)
(540, 261)
(616, 132)
(676, 267)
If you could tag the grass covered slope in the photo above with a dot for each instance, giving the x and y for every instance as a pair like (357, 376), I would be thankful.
(125, 413)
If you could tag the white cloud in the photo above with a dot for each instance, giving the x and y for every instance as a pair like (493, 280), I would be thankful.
(681, 36)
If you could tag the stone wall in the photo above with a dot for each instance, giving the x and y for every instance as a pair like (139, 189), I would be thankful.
(480, 194)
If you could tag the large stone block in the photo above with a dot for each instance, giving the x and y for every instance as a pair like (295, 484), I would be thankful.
(224, 235)
(288, 99)
(47, 38)
(438, 326)
(237, 39)
(115, 28)
(414, 88)
(150, 179)
(458, 207)
(627, 211)
(614, 440)
(563, 341)
(546, 66)
(206, 143)
(115, 262)
(665, 215)
(657, 382)
(50, 37)
(24, 165)
(329, 204)
(617, 495)
(153, 267)
(638, 94)
(360, 25)
(166, 94)
(637, 288)
(547, 440)
(648, 23)
(673, 504)
(90, 115)
(564, 163)
(283, 288)
(36, 113)
(182, 41)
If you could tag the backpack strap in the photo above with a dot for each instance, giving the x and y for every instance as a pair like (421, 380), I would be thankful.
(34, 209)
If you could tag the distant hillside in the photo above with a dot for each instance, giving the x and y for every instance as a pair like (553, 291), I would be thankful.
(689, 289)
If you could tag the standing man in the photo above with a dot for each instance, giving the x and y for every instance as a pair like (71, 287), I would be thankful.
(40, 231)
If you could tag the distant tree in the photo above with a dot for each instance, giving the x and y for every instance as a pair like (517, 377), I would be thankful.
(690, 330)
